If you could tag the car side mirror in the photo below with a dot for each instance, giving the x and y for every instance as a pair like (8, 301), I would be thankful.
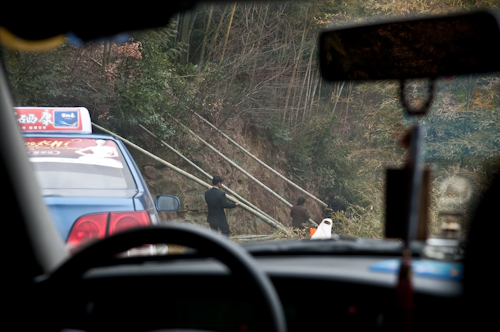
(167, 203)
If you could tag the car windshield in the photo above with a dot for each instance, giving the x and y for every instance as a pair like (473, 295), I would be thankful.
(75, 163)
(234, 90)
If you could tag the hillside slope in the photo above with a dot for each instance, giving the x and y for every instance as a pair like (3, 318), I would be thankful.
(162, 180)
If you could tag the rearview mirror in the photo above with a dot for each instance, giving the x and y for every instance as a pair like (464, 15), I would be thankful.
(422, 48)
(167, 203)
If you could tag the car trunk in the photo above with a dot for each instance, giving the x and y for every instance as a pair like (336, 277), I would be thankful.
(67, 206)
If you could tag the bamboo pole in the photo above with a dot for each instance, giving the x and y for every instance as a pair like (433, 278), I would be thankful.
(195, 179)
(307, 78)
(338, 96)
(309, 83)
(295, 69)
(281, 199)
(217, 33)
(254, 238)
(185, 27)
(207, 29)
(259, 39)
(184, 33)
(227, 35)
(347, 102)
(317, 80)
(193, 20)
(319, 91)
(104, 48)
(293, 97)
(262, 163)
(177, 21)
(199, 169)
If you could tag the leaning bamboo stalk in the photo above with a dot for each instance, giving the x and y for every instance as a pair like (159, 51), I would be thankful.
(199, 169)
(281, 199)
(255, 238)
(195, 179)
(262, 163)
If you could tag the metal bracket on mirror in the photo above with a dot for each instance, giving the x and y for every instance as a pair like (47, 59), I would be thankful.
(426, 107)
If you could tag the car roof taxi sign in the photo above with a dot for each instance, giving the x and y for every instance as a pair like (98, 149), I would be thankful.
(54, 119)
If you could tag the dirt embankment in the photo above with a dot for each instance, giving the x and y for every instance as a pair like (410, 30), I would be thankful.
(163, 180)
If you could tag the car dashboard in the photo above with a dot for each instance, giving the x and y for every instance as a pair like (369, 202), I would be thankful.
(318, 293)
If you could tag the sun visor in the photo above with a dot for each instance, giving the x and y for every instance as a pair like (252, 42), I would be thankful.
(54, 119)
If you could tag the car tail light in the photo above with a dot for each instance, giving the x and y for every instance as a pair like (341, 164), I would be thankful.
(99, 225)
(120, 221)
(88, 227)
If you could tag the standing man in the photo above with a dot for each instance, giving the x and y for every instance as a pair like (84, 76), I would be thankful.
(299, 214)
(217, 201)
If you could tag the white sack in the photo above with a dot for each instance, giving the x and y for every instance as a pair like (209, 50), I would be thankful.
(324, 230)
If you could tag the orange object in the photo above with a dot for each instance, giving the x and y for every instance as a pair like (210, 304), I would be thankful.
(312, 231)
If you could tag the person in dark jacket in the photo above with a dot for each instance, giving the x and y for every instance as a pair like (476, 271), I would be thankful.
(299, 214)
(336, 204)
(217, 202)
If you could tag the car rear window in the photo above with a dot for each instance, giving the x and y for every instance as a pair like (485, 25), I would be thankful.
(78, 163)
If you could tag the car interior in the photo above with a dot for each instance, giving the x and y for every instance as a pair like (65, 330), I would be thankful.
(218, 285)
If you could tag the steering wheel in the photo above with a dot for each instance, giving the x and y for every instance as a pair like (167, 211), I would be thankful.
(232, 255)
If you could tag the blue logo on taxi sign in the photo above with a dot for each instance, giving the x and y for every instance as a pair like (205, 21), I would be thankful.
(66, 119)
